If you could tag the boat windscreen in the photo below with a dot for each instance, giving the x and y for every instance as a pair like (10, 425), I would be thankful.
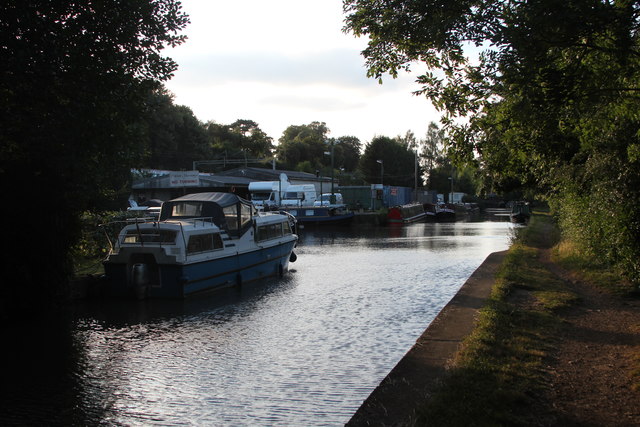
(187, 209)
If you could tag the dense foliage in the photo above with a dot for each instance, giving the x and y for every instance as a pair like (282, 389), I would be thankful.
(551, 104)
(308, 148)
(175, 136)
(391, 160)
(74, 80)
(242, 138)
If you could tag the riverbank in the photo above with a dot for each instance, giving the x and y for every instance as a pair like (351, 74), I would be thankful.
(549, 347)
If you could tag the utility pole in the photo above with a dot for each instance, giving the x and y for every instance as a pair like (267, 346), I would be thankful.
(331, 170)
(415, 174)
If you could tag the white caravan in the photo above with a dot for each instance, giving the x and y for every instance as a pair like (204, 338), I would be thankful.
(267, 194)
(299, 195)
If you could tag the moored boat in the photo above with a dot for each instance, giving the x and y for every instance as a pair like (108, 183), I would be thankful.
(430, 210)
(200, 242)
(520, 212)
(322, 215)
(406, 214)
(446, 212)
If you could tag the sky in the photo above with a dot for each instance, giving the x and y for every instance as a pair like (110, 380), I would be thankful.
(287, 62)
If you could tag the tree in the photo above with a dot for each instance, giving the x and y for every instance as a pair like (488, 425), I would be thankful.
(347, 152)
(397, 162)
(176, 136)
(242, 138)
(432, 147)
(254, 141)
(75, 78)
(303, 143)
(550, 105)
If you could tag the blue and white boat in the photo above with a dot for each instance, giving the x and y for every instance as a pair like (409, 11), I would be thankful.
(201, 242)
(327, 215)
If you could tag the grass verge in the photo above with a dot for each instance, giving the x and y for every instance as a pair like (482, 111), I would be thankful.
(592, 270)
(498, 375)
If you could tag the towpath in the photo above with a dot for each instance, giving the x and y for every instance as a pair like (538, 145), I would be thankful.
(590, 372)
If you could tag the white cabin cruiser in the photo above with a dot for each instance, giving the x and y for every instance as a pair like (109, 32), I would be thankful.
(200, 242)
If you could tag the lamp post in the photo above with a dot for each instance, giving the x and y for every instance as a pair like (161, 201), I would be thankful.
(451, 196)
(415, 176)
(381, 179)
(329, 153)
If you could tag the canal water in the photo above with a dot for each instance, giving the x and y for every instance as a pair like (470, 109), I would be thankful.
(303, 350)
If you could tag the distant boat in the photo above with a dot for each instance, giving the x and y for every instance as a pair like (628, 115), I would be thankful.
(520, 212)
(150, 207)
(430, 210)
(201, 242)
(445, 212)
(322, 215)
(406, 214)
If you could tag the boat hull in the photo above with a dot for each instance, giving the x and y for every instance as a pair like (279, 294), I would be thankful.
(321, 215)
(519, 218)
(182, 280)
(406, 214)
(410, 220)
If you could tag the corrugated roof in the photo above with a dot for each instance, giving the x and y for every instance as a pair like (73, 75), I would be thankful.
(240, 177)
(262, 174)
(206, 180)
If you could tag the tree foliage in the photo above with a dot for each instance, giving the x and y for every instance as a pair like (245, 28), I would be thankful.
(303, 143)
(398, 160)
(431, 154)
(308, 148)
(176, 136)
(74, 81)
(551, 103)
(347, 152)
(242, 138)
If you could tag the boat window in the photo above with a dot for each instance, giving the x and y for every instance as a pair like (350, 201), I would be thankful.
(149, 235)
(187, 209)
(204, 242)
(270, 231)
(286, 228)
(231, 217)
(245, 214)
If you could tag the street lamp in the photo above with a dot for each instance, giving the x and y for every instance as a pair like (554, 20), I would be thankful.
(329, 153)
(381, 172)
(451, 197)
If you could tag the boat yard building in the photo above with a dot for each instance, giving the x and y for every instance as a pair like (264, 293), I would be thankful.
(166, 185)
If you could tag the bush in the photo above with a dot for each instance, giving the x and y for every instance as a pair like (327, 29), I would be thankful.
(98, 229)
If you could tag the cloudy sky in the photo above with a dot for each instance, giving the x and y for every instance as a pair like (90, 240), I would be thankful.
(287, 62)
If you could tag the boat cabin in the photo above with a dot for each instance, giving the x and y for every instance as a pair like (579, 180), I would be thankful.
(228, 211)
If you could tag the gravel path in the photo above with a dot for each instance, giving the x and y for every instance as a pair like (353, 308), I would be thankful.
(591, 367)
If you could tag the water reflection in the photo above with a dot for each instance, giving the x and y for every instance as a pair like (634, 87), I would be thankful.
(305, 350)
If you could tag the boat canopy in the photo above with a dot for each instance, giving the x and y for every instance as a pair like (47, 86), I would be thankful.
(226, 210)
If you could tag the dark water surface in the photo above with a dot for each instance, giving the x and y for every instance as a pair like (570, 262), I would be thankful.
(304, 350)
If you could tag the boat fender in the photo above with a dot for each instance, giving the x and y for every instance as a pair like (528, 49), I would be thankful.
(293, 257)
(280, 271)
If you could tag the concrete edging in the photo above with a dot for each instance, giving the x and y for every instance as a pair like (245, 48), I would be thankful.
(410, 383)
